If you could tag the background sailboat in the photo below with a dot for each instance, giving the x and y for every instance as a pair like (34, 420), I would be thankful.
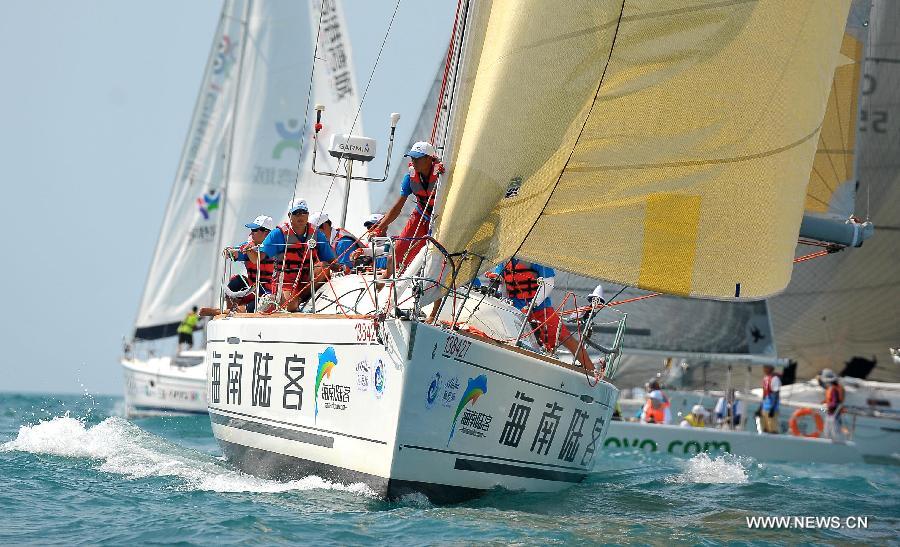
(246, 154)
(845, 305)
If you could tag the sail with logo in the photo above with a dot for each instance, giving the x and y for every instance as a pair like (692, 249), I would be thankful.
(243, 153)
(842, 307)
(661, 165)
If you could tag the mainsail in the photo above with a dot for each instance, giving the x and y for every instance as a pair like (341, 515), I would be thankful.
(845, 305)
(672, 326)
(247, 147)
(669, 143)
(830, 196)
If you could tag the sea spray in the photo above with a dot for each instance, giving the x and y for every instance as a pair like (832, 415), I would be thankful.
(724, 469)
(123, 448)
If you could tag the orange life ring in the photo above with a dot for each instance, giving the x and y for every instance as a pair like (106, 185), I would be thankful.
(801, 412)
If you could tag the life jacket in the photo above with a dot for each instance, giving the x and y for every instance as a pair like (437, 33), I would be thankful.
(655, 415)
(424, 191)
(770, 398)
(187, 326)
(258, 273)
(337, 234)
(296, 256)
(695, 421)
(830, 391)
(521, 280)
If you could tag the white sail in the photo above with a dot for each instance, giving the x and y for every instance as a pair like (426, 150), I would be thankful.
(334, 87)
(248, 143)
(181, 274)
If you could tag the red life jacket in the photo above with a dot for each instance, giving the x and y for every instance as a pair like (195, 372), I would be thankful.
(261, 274)
(338, 234)
(655, 415)
(424, 192)
(767, 384)
(296, 255)
(521, 280)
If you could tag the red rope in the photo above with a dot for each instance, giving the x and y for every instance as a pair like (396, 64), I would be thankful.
(450, 48)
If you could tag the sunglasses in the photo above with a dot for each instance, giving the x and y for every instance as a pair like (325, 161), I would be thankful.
(255, 230)
(300, 212)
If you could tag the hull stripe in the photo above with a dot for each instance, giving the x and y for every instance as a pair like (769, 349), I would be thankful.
(455, 453)
(213, 411)
(168, 410)
(273, 431)
(517, 471)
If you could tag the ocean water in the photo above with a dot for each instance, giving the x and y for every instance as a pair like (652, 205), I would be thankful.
(73, 471)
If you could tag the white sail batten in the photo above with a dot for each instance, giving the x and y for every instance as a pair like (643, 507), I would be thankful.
(629, 123)
(179, 276)
(248, 152)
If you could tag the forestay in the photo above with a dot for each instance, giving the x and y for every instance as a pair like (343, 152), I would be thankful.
(661, 144)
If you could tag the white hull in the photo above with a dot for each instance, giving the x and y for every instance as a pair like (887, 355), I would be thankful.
(687, 442)
(338, 397)
(160, 385)
(876, 438)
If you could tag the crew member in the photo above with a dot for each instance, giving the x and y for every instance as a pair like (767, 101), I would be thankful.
(696, 418)
(241, 290)
(287, 246)
(656, 409)
(421, 182)
(834, 403)
(186, 330)
(729, 410)
(521, 280)
(771, 387)
(342, 242)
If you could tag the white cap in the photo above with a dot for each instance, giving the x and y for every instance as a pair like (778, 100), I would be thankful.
(657, 395)
(421, 149)
(698, 410)
(828, 375)
(373, 219)
(262, 221)
(318, 219)
(598, 293)
(298, 204)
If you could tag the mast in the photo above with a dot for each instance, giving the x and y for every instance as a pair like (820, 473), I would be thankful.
(245, 26)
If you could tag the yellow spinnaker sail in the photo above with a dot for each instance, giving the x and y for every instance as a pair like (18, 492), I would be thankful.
(664, 144)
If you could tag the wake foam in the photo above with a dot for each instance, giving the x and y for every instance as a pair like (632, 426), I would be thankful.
(724, 469)
(124, 449)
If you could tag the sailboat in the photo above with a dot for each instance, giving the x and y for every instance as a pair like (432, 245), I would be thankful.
(636, 117)
(242, 158)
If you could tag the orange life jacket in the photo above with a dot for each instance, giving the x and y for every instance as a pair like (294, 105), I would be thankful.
(656, 415)
(262, 272)
(834, 389)
(521, 280)
(424, 191)
(296, 256)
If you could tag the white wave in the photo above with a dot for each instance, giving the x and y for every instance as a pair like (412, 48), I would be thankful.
(725, 469)
(123, 448)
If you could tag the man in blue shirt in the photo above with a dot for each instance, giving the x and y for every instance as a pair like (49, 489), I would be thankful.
(521, 279)
(287, 245)
(342, 242)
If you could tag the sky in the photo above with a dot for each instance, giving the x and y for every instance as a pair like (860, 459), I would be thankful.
(95, 103)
